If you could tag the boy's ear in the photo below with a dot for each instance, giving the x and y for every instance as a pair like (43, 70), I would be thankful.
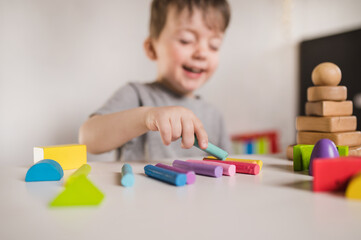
(149, 49)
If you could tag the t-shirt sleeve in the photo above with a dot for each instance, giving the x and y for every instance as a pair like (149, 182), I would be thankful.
(123, 99)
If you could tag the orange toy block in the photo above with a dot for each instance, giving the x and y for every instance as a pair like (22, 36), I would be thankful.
(329, 108)
(326, 124)
(342, 138)
(333, 174)
(326, 93)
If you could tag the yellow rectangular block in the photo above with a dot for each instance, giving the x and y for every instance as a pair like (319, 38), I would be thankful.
(326, 93)
(342, 138)
(71, 156)
(326, 124)
(329, 108)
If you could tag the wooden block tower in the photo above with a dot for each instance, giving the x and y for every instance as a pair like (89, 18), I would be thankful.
(328, 113)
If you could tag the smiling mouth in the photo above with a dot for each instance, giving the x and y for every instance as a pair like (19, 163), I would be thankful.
(192, 69)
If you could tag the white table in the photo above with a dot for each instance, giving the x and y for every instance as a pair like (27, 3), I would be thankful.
(276, 204)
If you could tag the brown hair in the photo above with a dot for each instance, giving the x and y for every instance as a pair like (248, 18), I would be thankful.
(159, 10)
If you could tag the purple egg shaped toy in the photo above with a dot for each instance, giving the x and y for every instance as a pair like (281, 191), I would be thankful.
(324, 148)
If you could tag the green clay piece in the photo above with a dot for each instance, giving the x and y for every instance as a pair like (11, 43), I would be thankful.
(342, 151)
(78, 192)
(84, 170)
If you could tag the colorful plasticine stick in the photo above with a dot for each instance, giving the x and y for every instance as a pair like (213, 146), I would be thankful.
(191, 176)
(127, 176)
(213, 150)
(203, 169)
(241, 167)
(228, 169)
(177, 179)
(259, 162)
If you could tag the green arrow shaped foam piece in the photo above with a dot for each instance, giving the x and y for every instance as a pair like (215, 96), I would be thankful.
(79, 192)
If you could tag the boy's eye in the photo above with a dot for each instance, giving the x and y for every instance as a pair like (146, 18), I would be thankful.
(185, 41)
(215, 44)
(214, 48)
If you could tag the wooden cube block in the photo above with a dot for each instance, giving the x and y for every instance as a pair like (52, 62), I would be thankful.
(342, 138)
(355, 151)
(326, 124)
(329, 108)
(326, 93)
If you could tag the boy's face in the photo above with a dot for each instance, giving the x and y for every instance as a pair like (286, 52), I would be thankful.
(186, 51)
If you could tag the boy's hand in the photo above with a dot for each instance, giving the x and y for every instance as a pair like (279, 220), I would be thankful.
(174, 122)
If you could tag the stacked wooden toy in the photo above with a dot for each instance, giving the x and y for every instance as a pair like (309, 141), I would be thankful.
(328, 113)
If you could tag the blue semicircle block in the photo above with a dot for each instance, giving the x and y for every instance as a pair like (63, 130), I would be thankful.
(45, 170)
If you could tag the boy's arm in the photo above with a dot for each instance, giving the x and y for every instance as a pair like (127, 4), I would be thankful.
(102, 133)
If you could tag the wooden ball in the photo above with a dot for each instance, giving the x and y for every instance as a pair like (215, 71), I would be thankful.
(326, 74)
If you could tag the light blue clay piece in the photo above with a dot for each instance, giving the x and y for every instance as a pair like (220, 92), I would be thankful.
(127, 176)
(44, 170)
(213, 150)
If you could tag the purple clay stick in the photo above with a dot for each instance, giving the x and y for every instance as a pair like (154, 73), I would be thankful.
(198, 168)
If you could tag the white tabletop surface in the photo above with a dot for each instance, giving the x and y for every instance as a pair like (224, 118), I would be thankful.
(276, 204)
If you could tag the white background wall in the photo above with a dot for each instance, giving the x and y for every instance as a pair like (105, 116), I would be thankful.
(61, 59)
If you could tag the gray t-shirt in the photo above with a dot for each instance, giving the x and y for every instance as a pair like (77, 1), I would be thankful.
(149, 146)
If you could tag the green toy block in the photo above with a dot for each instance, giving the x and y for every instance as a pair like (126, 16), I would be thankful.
(78, 192)
(302, 155)
(342, 151)
(297, 156)
(306, 151)
(84, 170)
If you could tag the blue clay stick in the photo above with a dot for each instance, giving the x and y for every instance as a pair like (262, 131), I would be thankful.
(213, 150)
(177, 179)
(127, 176)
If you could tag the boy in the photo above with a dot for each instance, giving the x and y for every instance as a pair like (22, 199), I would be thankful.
(150, 121)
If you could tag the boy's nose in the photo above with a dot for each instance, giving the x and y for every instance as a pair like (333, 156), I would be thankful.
(200, 52)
